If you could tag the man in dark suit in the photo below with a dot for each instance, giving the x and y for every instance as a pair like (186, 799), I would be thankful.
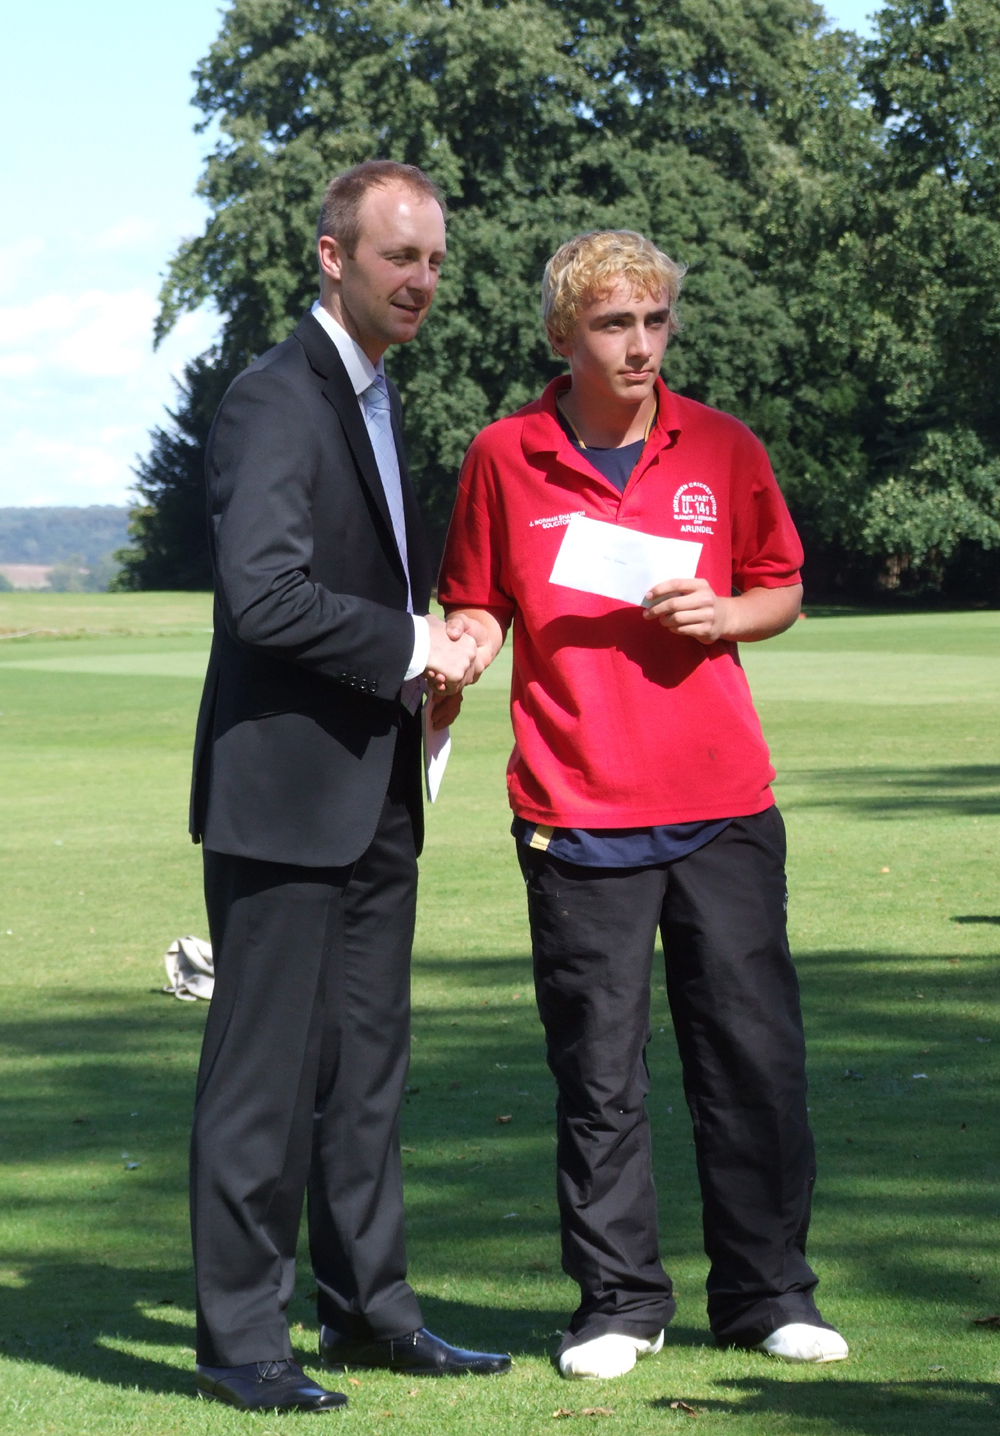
(307, 798)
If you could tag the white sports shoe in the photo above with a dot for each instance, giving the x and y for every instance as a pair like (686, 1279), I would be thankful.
(605, 1357)
(799, 1342)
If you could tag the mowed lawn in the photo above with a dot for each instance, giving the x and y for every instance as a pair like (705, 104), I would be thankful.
(884, 731)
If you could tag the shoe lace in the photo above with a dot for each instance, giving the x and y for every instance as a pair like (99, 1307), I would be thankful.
(271, 1370)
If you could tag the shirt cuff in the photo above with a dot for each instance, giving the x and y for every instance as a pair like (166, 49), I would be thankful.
(421, 647)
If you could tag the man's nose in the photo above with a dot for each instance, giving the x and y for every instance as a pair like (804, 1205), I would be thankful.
(422, 279)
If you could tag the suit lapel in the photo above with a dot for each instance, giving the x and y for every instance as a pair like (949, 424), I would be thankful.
(339, 392)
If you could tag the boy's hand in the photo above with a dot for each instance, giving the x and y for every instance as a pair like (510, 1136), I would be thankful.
(459, 623)
(451, 660)
(445, 708)
(689, 607)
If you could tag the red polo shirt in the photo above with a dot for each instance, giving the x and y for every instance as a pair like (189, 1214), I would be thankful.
(618, 722)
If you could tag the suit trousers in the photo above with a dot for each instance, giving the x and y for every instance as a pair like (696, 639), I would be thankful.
(300, 1084)
(734, 1002)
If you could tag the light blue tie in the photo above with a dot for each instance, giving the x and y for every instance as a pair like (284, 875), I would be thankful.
(378, 422)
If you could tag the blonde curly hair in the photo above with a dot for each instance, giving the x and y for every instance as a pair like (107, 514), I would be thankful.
(588, 267)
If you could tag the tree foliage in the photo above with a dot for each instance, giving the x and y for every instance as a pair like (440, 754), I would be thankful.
(169, 528)
(835, 203)
(894, 266)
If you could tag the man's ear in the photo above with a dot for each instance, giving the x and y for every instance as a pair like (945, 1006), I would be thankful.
(331, 257)
(561, 344)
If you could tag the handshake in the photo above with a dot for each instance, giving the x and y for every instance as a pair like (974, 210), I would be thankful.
(459, 653)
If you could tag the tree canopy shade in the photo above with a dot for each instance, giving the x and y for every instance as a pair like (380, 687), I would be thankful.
(835, 203)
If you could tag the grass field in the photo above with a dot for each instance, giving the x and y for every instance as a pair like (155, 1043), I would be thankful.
(885, 734)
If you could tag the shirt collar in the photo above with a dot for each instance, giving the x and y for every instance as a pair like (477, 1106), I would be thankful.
(543, 432)
(360, 369)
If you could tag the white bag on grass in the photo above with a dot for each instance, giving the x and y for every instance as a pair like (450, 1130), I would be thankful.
(190, 970)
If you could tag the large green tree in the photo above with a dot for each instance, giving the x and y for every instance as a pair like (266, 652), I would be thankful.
(890, 269)
(831, 232)
(538, 119)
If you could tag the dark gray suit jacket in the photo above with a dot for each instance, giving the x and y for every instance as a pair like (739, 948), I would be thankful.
(300, 716)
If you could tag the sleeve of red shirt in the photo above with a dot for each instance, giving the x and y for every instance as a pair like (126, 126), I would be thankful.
(767, 551)
(472, 568)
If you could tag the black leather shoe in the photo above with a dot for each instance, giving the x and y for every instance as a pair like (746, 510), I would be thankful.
(265, 1386)
(419, 1354)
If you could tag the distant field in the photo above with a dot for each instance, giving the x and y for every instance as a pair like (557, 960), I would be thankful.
(886, 738)
(71, 615)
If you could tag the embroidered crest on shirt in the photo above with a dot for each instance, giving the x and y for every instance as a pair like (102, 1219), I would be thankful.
(557, 520)
(695, 508)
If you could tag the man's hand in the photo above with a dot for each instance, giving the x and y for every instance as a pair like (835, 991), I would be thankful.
(445, 707)
(459, 623)
(451, 662)
(473, 628)
(689, 607)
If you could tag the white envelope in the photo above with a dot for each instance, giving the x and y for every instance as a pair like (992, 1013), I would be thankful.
(617, 562)
(437, 748)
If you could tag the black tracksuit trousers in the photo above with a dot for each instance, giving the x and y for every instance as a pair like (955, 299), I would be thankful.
(734, 1000)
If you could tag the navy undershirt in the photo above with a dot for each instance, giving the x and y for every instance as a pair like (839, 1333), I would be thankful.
(615, 465)
(617, 847)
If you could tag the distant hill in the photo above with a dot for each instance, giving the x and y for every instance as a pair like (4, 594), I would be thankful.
(54, 535)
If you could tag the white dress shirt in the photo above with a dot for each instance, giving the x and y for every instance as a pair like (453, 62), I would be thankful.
(362, 373)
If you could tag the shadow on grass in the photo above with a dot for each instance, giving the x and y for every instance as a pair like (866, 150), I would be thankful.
(964, 790)
(857, 1408)
(474, 1060)
(69, 1316)
(75, 1317)
(978, 917)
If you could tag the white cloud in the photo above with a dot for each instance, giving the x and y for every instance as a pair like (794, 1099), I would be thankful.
(95, 333)
(37, 470)
(17, 260)
(82, 388)
(18, 366)
(126, 234)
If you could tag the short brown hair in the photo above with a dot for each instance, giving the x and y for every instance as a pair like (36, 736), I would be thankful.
(588, 267)
(338, 215)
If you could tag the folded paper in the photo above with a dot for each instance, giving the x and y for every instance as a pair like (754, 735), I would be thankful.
(619, 562)
(437, 747)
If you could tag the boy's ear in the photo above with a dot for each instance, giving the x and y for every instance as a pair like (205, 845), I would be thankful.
(561, 345)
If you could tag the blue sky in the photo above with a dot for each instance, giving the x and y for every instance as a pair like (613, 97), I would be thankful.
(97, 178)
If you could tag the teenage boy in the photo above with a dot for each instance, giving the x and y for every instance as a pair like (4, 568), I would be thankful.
(640, 782)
